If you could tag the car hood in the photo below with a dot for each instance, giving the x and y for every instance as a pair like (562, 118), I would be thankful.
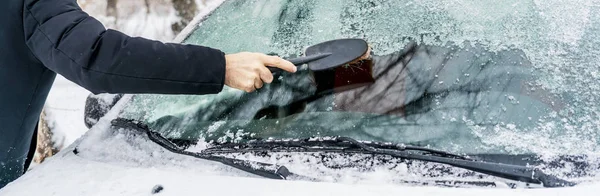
(68, 174)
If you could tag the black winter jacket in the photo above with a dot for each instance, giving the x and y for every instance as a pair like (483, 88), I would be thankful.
(40, 38)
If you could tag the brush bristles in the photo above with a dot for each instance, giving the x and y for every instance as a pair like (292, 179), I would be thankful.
(355, 74)
(365, 56)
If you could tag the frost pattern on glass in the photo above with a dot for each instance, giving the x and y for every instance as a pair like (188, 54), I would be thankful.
(552, 47)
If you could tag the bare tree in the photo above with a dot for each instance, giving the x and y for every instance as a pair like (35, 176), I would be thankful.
(186, 10)
(147, 3)
(111, 8)
(46, 147)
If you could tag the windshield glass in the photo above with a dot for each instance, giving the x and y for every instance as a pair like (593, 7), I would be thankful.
(462, 76)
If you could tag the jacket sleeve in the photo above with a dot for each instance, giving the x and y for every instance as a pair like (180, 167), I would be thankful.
(70, 42)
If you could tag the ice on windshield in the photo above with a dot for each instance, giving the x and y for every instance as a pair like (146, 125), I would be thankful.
(537, 59)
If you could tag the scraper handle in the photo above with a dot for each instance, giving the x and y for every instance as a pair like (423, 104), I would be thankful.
(301, 61)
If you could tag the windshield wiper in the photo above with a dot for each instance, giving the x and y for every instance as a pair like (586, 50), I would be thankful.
(258, 168)
(349, 145)
(346, 144)
(511, 172)
(319, 145)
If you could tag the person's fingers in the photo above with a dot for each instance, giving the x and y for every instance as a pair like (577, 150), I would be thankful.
(250, 82)
(258, 83)
(265, 74)
(274, 61)
(249, 87)
(248, 71)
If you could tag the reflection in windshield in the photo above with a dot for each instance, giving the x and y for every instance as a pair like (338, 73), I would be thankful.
(422, 94)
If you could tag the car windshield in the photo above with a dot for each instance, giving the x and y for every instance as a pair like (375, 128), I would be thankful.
(463, 76)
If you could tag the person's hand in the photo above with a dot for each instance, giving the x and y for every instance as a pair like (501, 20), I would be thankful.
(247, 71)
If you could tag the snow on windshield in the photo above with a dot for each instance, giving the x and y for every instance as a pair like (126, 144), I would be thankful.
(558, 37)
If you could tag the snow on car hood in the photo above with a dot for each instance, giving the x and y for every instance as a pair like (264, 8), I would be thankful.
(73, 176)
(68, 174)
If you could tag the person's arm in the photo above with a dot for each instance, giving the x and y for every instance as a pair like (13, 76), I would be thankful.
(70, 42)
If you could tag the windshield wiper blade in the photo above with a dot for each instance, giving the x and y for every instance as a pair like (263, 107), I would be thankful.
(511, 172)
(258, 168)
(346, 144)
(318, 145)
